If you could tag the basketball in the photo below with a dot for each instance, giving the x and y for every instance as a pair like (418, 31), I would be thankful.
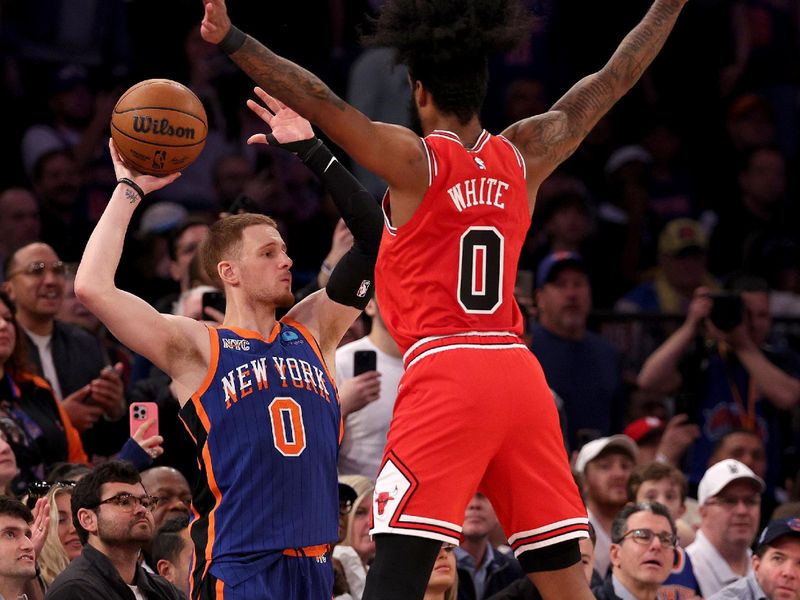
(159, 126)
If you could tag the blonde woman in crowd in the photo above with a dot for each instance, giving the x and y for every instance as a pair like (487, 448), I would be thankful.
(358, 549)
(443, 584)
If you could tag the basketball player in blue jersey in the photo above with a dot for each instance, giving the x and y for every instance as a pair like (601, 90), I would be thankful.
(257, 394)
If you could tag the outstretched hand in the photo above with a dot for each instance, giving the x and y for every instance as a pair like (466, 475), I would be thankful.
(286, 125)
(216, 22)
(148, 183)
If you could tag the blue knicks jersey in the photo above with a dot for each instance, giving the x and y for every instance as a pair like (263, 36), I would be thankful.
(267, 425)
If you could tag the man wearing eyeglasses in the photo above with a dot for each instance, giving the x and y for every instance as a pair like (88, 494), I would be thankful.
(643, 540)
(73, 361)
(112, 513)
(729, 496)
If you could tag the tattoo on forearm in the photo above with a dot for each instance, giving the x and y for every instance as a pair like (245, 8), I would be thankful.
(287, 81)
(132, 196)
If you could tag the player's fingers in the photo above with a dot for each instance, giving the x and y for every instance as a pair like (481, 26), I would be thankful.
(258, 138)
(261, 112)
(272, 103)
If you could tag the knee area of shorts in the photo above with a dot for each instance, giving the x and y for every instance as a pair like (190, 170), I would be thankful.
(551, 558)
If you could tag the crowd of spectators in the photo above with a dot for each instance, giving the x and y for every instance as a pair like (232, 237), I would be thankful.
(660, 281)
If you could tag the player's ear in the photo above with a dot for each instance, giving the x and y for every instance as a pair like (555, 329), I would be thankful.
(227, 272)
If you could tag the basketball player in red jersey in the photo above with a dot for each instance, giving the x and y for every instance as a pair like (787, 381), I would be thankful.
(473, 411)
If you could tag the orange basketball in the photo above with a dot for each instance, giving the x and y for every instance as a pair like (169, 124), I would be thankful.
(159, 126)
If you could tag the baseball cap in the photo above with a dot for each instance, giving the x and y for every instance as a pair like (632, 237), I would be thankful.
(640, 429)
(593, 449)
(680, 235)
(718, 475)
(779, 528)
(161, 217)
(554, 262)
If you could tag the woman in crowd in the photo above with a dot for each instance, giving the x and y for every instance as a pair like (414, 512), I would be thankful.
(443, 584)
(62, 544)
(31, 418)
(358, 548)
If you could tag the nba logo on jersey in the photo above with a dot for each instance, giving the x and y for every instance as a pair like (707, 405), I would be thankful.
(363, 288)
(480, 163)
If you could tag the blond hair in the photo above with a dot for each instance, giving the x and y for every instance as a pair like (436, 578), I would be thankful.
(364, 486)
(53, 558)
(224, 241)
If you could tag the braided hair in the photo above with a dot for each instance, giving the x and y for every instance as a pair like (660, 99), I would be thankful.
(446, 43)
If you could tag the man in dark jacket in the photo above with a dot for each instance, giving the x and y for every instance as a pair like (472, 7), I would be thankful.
(482, 569)
(112, 513)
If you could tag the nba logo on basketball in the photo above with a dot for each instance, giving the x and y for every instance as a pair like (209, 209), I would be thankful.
(158, 159)
(362, 289)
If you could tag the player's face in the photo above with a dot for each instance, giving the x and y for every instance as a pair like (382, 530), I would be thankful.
(360, 539)
(264, 266)
(66, 529)
(443, 575)
(730, 519)
(606, 479)
(646, 565)
(118, 525)
(778, 571)
(666, 492)
(479, 518)
(38, 292)
(17, 560)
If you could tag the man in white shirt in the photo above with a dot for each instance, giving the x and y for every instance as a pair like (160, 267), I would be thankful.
(729, 496)
(368, 398)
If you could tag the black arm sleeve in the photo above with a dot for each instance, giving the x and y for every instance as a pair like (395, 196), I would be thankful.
(351, 282)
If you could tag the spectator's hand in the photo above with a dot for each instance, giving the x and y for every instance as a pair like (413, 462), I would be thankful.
(151, 445)
(678, 435)
(286, 125)
(107, 391)
(40, 525)
(80, 409)
(148, 183)
(216, 22)
(699, 308)
(355, 393)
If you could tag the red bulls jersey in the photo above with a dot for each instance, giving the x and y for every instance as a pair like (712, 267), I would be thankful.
(452, 267)
(267, 426)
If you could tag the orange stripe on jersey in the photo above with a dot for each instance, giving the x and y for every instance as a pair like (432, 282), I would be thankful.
(220, 589)
(213, 338)
(308, 551)
(250, 333)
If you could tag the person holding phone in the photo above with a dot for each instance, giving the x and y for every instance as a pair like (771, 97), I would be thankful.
(257, 393)
(368, 371)
(724, 372)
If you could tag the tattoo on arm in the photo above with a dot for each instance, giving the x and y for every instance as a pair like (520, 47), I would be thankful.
(287, 81)
(131, 196)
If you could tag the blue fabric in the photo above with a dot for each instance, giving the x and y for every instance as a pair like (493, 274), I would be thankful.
(587, 375)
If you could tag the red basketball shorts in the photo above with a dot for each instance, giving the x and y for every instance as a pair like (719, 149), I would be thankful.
(474, 413)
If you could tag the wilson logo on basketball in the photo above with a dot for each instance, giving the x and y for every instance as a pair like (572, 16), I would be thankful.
(161, 127)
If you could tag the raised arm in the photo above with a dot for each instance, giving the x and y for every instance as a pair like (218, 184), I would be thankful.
(368, 142)
(548, 139)
(329, 312)
(177, 345)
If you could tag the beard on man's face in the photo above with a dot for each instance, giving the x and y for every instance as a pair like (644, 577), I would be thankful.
(413, 112)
